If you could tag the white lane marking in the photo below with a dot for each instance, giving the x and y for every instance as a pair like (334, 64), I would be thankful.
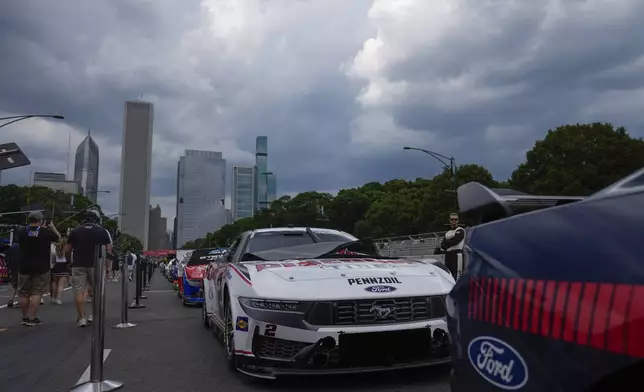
(85, 376)
(46, 295)
(160, 291)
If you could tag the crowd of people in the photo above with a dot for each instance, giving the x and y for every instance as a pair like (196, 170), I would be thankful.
(42, 262)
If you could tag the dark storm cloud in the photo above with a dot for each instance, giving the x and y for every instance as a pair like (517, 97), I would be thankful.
(477, 80)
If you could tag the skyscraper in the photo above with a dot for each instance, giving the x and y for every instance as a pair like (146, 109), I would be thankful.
(243, 193)
(86, 167)
(265, 189)
(136, 165)
(200, 196)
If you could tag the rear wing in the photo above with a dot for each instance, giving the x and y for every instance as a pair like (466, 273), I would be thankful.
(483, 204)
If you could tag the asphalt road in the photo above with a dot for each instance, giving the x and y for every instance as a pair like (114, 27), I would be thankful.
(169, 350)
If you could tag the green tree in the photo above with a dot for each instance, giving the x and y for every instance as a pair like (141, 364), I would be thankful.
(578, 160)
(126, 242)
(572, 159)
(57, 205)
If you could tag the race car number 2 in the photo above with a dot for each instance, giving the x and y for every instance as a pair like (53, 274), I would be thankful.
(270, 330)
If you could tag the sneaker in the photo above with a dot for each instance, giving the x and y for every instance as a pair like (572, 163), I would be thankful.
(89, 300)
(58, 302)
(34, 321)
(42, 301)
(11, 304)
(81, 322)
(89, 318)
(24, 320)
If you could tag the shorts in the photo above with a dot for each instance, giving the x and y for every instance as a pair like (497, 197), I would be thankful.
(37, 284)
(14, 280)
(82, 278)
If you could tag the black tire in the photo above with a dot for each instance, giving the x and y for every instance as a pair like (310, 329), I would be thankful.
(228, 333)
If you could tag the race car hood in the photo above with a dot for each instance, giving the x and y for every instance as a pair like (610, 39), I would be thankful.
(317, 279)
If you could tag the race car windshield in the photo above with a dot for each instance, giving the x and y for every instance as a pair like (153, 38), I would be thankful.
(284, 239)
(317, 250)
(203, 256)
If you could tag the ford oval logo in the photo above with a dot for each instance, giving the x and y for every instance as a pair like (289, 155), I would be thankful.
(498, 363)
(380, 289)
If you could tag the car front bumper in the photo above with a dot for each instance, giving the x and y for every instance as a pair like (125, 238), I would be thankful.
(359, 349)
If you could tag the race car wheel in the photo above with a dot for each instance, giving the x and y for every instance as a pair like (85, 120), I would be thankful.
(229, 335)
(204, 316)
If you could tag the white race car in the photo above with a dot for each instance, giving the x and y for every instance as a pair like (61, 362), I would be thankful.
(317, 301)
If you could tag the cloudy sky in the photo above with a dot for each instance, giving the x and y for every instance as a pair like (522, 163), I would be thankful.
(338, 86)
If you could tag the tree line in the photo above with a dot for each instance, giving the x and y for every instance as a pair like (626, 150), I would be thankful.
(64, 209)
(573, 160)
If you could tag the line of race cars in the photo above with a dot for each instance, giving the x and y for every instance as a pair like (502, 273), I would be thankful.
(527, 314)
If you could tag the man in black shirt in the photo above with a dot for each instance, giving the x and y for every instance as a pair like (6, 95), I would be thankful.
(85, 240)
(34, 276)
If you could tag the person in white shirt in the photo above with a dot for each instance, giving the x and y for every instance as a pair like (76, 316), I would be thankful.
(131, 262)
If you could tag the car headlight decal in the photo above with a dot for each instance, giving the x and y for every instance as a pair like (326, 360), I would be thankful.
(269, 304)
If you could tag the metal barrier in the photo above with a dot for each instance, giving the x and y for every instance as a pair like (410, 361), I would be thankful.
(124, 297)
(96, 382)
(409, 246)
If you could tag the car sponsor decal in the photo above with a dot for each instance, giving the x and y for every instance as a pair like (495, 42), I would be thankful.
(380, 289)
(241, 275)
(498, 362)
(229, 275)
(242, 324)
(373, 280)
(604, 316)
(341, 264)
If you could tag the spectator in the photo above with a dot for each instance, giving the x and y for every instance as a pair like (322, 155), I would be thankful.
(452, 245)
(60, 271)
(34, 275)
(86, 241)
(131, 261)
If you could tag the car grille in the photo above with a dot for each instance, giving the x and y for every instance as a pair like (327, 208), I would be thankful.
(388, 310)
(267, 347)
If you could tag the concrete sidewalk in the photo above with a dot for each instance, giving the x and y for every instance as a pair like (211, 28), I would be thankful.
(169, 350)
(54, 355)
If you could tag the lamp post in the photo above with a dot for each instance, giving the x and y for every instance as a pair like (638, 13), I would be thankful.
(266, 174)
(14, 119)
(447, 162)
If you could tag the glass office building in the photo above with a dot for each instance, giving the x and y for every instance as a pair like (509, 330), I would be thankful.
(265, 180)
(200, 196)
(86, 167)
(243, 192)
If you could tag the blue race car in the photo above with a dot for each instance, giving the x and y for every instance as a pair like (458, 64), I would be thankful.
(191, 279)
(551, 300)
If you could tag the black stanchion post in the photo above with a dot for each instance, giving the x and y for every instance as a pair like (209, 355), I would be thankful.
(96, 381)
(137, 288)
(124, 297)
(143, 282)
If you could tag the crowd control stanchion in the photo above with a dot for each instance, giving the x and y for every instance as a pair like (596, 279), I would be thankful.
(124, 297)
(137, 288)
(143, 280)
(96, 382)
(144, 273)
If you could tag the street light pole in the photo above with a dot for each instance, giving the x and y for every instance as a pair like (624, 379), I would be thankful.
(448, 162)
(266, 174)
(28, 116)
